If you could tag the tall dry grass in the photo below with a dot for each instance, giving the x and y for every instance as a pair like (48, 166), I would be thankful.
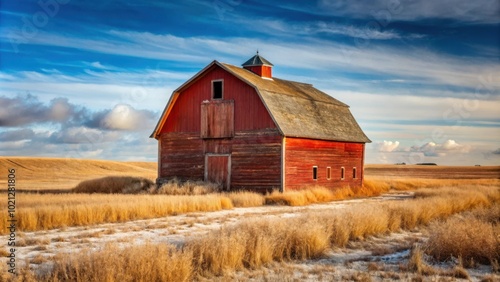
(321, 195)
(472, 238)
(176, 187)
(246, 199)
(145, 263)
(42, 212)
(254, 243)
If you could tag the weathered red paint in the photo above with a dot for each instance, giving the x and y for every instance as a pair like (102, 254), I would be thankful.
(301, 155)
(217, 169)
(263, 71)
(249, 111)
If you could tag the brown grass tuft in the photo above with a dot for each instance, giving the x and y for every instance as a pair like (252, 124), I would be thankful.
(138, 263)
(176, 187)
(115, 185)
(469, 238)
(246, 199)
(416, 262)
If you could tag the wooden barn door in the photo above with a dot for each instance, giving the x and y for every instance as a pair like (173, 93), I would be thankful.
(218, 170)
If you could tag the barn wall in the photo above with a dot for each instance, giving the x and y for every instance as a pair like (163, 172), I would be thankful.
(249, 111)
(301, 155)
(255, 158)
(181, 156)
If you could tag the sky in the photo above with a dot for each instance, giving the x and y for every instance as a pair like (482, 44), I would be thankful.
(89, 79)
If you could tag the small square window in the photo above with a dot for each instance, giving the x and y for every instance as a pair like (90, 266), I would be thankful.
(315, 173)
(217, 89)
(342, 173)
(328, 173)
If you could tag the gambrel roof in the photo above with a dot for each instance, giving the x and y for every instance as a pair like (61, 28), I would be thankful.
(298, 109)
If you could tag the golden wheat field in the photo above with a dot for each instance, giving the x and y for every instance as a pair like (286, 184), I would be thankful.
(406, 223)
(66, 173)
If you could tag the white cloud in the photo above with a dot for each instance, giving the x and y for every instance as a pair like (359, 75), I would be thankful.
(432, 149)
(124, 117)
(387, 146)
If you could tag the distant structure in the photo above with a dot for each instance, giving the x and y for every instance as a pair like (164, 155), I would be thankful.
(245, 129)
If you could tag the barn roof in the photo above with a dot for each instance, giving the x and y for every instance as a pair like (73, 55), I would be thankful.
(298, 109)
(257, 60)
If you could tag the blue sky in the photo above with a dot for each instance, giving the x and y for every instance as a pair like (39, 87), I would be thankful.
(88, 79)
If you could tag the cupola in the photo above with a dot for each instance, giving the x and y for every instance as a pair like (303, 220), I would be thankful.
(260, 66)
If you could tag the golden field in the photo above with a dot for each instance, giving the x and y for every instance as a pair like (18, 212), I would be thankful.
(445, 208)
(65, 173)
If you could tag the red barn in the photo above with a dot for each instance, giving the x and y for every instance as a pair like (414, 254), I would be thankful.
(245, 129)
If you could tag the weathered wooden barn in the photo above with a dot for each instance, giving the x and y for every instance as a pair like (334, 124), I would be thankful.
(245, 129)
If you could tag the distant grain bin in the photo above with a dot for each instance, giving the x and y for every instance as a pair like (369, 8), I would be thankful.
(245, 129)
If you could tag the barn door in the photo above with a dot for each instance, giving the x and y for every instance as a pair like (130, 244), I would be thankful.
(218, 170)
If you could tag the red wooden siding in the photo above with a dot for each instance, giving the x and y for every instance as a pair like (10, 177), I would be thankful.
(249, 111)
(218, 170)
(181, 156)
(256, 160)
(217, 119)
(301, 155)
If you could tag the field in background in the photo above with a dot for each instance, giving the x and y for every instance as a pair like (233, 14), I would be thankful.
(54, 173)
(58, 173)
(432, 172)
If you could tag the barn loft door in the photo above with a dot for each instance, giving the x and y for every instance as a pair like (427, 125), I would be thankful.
(217, 119)
(218, 170)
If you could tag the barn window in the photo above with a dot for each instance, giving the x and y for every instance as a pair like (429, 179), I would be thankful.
(217, 89)
(315, 173)
(354, 173)
(328, 173)
(342, 173)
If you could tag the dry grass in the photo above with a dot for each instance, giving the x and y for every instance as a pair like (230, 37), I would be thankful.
(139, 263)
(115, 185)
(416, 262)
(311, 196)
(370, 188)
(49, 211)
(246, 199)
(176, 187)
(254, 243)
(468, 238)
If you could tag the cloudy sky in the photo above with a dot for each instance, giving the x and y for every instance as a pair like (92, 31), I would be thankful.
(88, 79)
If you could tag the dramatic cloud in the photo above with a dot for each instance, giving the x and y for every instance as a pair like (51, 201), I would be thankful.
(27, 109)
(66, 130)
(497, 151)
(387, 146)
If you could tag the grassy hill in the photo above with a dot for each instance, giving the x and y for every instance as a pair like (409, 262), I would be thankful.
(65, 173)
